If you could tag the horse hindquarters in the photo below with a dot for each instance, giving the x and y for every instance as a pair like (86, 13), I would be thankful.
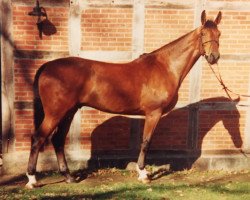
(57, 106)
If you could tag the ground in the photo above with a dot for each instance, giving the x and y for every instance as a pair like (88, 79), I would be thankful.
(122, 184)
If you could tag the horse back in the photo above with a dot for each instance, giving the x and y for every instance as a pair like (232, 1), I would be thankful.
(106, 86)
(127, 88)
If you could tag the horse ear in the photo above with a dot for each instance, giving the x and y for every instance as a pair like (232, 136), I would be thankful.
(203, 17)
(218, 18)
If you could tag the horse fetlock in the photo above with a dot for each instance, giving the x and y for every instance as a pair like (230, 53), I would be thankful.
(141, 163)
(32, 181)
(69, 179)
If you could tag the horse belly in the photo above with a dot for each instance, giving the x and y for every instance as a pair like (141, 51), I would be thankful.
(119, 100)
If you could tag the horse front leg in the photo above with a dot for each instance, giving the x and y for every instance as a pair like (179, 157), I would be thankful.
(151, 121)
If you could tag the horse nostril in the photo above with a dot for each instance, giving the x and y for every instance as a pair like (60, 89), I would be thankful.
(212, 58)
(215, 56)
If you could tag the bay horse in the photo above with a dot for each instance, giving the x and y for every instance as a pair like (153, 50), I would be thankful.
(146, 86)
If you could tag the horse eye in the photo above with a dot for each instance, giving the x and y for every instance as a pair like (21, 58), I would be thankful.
(202, 34)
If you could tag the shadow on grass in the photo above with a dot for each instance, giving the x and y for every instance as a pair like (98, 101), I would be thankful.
(83, 174)
(12, 180)
(21, 179)
(224, 185)
(45, 178)
(159, 173)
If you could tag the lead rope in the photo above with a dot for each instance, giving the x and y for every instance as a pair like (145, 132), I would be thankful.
(224, 87)
(219, 78)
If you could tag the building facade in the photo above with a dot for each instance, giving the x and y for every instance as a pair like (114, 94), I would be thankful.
(206, 129)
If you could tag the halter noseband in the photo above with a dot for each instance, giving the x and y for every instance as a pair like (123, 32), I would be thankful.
(209, 41)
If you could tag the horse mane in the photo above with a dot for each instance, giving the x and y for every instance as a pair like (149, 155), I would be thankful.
(144, 55)
(208, 24)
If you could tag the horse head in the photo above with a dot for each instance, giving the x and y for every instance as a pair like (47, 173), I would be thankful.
(210, 38)
(233, 127)
(228, 115)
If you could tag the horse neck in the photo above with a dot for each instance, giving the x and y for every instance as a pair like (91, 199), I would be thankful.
(180, 55)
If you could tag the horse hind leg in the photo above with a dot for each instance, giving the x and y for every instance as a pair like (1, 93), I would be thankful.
(37, 141)
(58, 141)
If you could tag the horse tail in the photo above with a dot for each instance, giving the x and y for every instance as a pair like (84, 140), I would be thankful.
(37, 103)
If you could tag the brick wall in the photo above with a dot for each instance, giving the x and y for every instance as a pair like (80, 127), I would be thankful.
(30, 50)
(26, 35)
(106, 29)
(208, 123)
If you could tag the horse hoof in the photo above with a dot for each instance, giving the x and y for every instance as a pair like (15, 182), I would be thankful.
(70, 180)
(32, 181)
(144, 180)
(30, 186)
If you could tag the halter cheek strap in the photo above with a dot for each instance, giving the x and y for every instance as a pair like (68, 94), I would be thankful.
(201, 47)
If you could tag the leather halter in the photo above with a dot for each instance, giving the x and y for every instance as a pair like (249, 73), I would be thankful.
(210, 41)
(202, 50)
(224, 87)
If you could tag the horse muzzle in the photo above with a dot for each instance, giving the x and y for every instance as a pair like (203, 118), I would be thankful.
(212, 58)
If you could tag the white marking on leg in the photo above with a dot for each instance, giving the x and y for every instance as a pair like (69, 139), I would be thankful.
(32, 181)
(143, 174)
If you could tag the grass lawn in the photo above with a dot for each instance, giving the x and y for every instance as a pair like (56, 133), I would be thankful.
(122, 184)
